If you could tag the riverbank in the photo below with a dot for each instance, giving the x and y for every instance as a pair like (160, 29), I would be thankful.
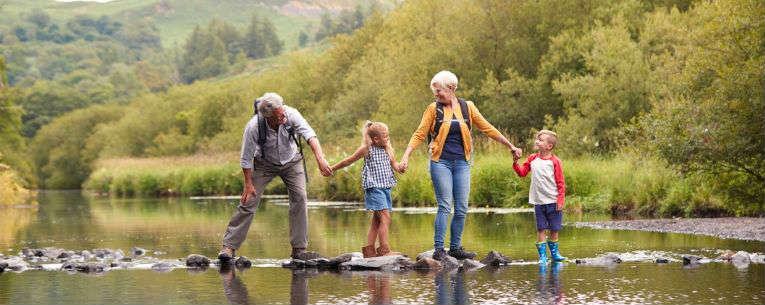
(624, 184)
(743, 228)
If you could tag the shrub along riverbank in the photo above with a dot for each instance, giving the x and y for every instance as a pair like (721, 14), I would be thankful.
(620, 185)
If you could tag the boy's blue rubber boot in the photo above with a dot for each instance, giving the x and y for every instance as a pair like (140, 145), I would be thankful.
(555, 252)
(542, 249)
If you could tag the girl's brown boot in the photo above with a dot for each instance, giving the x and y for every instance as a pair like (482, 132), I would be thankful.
(368, 251)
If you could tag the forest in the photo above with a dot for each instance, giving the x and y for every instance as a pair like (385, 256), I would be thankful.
(659, 104)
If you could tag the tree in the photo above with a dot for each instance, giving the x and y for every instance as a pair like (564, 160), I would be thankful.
(302, 39)
(712, 118)
(273, 44)
(255, 43)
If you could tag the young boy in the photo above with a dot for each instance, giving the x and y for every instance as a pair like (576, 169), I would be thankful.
(547, 192)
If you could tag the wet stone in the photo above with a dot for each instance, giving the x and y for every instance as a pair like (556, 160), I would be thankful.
(137, 251)
(726, 255)
(390, 262)
(471, 264)
(450, 262)
(691, 259)
(162, 266)
(243, 262)
(494, 258)
(427, 263)
(294, 264)
(662, 260)
(196, 260)
(3, 266)
(605, 260)
(90, 267)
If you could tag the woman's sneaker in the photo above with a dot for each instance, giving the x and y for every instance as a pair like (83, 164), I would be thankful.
(460, 253)
(439, 254)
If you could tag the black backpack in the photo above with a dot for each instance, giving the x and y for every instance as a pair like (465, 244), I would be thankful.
(263, 133)
(440, 118)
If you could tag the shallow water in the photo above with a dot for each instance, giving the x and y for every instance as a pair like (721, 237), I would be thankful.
(178, 227)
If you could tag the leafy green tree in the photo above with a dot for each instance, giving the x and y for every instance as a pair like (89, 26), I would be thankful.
(254, 41)
(205, 56)
(274, 46)
(58, 149)
(302, 39)
(711, 118)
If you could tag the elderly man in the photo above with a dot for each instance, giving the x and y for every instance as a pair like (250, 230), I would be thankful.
(268, 150)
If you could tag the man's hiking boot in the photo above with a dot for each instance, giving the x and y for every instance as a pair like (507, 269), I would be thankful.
(460, 253)
(226, 254)
(439, 254)
(302, 254)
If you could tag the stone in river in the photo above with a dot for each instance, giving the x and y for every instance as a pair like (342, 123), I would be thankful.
(137, 251)
(661, 260)
(294, 264)
(609, 259)
(494, 258)
(740, 259)
(726, 255)
(471, 264)
(391, 262)
(90, 267)
(757, 258)
(449, 262)
(243, 262)
(427, 263)
(162, 267)
(3, 265)
(691, 259)
(196, 260)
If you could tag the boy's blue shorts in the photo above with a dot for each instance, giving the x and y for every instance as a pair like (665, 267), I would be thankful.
(377, 199)
(548, 218)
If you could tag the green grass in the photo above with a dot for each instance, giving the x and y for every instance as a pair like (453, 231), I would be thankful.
(174, 23)
(620, 185)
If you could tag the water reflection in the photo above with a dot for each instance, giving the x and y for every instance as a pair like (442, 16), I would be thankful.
(299, 287)
(379, 284)
(548, 285)
(233, 287)
(450, 288)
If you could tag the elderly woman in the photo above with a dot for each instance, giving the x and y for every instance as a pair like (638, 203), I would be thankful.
(448, 122)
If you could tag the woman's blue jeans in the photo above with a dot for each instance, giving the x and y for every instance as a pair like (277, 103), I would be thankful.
(451, 182)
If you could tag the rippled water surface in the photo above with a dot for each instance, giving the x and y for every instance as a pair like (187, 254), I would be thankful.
(178, 227)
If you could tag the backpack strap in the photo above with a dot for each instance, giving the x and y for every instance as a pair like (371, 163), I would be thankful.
(440, 118)
(262, 134)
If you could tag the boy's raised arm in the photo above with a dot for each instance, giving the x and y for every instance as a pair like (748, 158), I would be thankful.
(523, 170)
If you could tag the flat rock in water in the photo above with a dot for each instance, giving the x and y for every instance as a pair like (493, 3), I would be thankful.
(605, 260)
(494, 258)
(471, 264)
(661, 260)
(90, 267)
(196, 260)
(392, 262)
(450, 262)
(162, 266)
(3, 265)
(427, 263)
(726, 255)
(757, 258)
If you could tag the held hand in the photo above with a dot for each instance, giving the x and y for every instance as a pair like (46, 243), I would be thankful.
(326, 171)
(517, 152)
(403, 165)
(248, 193)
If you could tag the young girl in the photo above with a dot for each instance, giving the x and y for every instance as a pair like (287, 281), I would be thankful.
(377, 180)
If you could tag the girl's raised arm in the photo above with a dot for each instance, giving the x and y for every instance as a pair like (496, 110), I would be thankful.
(358, 154)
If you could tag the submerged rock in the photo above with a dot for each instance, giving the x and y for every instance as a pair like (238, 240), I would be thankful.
(609, 259)
(196, 260)
(494, 258)
(162, 267)
(661, 260)
(294, 264)
(3, 265)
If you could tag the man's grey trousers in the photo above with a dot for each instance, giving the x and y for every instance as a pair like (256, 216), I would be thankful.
(293, 176)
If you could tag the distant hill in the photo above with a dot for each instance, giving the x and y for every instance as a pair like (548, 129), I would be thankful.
(175, 19)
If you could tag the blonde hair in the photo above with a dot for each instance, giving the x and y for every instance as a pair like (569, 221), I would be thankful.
(553, 137)
(372, 129)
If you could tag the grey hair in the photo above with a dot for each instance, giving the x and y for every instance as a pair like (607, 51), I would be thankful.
(268, 103)
(444, 79)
